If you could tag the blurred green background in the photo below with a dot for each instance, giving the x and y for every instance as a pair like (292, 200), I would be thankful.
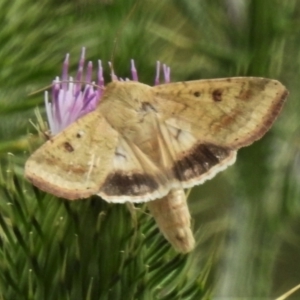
(246, 219)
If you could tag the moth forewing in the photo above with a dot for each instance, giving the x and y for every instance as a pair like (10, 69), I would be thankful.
(230, 112)
(74, 163)
(173, 218)
(142, 141)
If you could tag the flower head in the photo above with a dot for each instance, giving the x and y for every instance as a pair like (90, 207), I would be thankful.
(73, 98)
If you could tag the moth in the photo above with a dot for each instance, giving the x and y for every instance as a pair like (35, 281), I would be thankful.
(146, 143)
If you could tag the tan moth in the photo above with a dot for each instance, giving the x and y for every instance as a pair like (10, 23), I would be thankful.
(144, 143)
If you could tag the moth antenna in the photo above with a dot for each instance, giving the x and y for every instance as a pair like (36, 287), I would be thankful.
(99, 85)
(120, 30)
(66, 81)
(40, 90)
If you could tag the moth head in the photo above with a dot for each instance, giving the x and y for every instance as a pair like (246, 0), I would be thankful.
(131, 92)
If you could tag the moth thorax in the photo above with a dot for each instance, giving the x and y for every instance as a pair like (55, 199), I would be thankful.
(173, 219)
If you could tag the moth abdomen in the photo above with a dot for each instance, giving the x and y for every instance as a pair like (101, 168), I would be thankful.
(173, 218)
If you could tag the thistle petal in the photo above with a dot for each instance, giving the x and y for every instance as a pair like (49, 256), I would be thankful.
(73, 99)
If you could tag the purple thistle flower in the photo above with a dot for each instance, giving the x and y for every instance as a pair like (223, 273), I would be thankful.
(73, 98)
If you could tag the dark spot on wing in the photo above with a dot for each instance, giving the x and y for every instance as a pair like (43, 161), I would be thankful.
(217, 95)
(245, 94)
(128, 184)
(198, 161)
(177, 133)
(197, 94)
(79, 134)
(68, 147)
(120, 154)
(148, 107)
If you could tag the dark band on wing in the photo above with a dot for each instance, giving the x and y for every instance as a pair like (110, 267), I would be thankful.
(126, 184)
(199, 160)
